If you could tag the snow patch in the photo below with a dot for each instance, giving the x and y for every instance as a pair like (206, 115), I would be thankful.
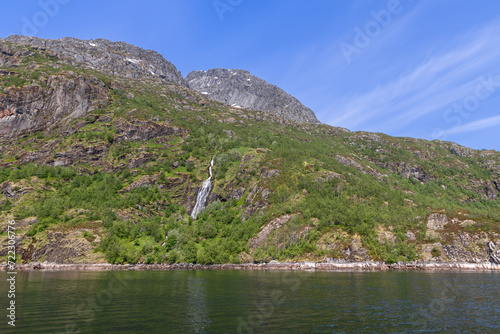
(134, 61)
(205, 93)
(92, 44)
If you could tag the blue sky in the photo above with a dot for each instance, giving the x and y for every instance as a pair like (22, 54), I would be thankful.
(424, 69)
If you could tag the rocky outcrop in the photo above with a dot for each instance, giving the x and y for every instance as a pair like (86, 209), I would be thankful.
(136, 130)
(465, 247)
(461, 151)
(487, 189)
(493, 252)
(145, 181)
(404, 169)
(240, 89)
(64, 97)
(256, 200)
(116, 58)
(407, 170)
(356, 252)
(79, 154)
(351, 163)
(327, 176)
(348, 162)
(6, 190)
(435, 223)
(57, 247)
(10, 56)
(449, 243)
(261, 238)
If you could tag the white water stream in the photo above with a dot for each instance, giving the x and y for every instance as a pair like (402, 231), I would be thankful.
(201, 199)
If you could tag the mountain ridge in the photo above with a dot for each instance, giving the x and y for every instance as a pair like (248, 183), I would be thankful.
(117, 58)
(238, 88)
(123, 59)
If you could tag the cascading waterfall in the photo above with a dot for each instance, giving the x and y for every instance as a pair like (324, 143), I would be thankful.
(201, 199)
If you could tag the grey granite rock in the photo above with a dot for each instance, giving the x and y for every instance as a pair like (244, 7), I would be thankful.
(240, 89)
(62, 98)
(117, 58)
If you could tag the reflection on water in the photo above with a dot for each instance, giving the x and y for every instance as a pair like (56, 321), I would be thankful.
(197, 305)
(254, 302)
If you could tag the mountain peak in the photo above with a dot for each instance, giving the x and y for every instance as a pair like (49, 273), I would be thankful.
(239, 88)
(117, 58)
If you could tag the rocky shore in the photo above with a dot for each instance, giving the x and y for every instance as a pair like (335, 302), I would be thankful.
(273, 265)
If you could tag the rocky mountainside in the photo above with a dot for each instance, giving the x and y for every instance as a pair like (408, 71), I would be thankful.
(116, 58)
(105, 166)
(58, 98)
(240, 89)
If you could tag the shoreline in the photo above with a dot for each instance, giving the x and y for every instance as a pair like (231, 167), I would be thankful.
(273, 265)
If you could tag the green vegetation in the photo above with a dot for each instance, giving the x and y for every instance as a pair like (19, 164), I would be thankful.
(280, 169)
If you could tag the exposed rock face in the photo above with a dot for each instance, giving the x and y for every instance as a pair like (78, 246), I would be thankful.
(145, 181)
(256, 200)
(266, 231)
(10, 56)
(136, 130)
(348, 162)
(487, 189)
(435, 223)
(356, 252)
(33, 108)
(78, 154)
(493, 252)
(385, 235)
(404, 169)
(416, 171)
(461, 151)
(240, 89)
(117, 58)
(466, 247)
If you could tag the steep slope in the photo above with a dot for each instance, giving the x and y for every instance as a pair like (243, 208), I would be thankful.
(108, 167)
(238, 88)
(43, 106)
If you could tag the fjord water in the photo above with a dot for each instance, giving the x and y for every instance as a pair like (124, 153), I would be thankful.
(254, 302)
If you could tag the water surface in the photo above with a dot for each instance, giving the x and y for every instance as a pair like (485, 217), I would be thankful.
(254, 302)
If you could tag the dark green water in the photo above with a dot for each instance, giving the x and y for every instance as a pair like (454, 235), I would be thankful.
(253, 302)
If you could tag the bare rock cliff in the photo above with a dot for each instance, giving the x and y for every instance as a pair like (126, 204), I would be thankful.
(240, 89)
(35, 107)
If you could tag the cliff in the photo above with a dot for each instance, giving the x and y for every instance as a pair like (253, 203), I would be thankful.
(240, 89)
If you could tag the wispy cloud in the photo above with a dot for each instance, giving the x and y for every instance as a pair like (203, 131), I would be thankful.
(442, 79)
(475, 126)
(321, 63)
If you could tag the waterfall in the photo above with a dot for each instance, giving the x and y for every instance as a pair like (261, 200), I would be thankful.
(201, 199)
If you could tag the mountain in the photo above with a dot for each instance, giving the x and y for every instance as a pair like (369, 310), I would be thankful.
(240, 89)
(102, 161)
(116, 58)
